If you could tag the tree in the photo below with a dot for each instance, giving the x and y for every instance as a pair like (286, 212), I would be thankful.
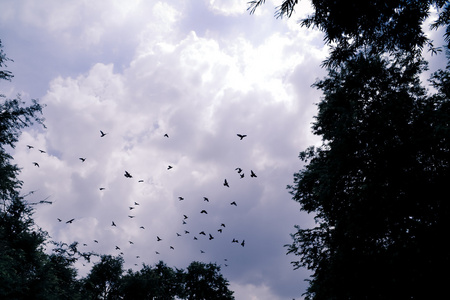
(204, 281)
(103, 282)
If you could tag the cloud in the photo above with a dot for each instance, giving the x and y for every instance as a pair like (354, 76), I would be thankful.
(201, 85)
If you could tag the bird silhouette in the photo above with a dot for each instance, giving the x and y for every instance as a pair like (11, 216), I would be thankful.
(113, 224)
(233, 203)
(234, 240)
(185, 217)
(127, 175)
(186, 232)
(135, 203)
(141, 180)
(242, 175)
(95, 241)
(102, 134)
(195, 238)
(42, 151)
(239, 170)
(142, 227)
(241, 136)
(166, 135)
(117, 248)
(204, 212)
(211, 237)
(131, 217)
(169, 167)
(178, 234)
(131, 207)
(102, 188)
(219, 230)
(202, 232)
(59, 220)
(252, 174)
(184, 222)
(223, 225)
(158, 238)
(83, 159)
(36, 164)
(205, 199)
(243, 243)
(201, 251)
(172, 248)
(225, 183)
(131, 243)
(30, 147)
(180, 198)
(156, 252)
(70, 221)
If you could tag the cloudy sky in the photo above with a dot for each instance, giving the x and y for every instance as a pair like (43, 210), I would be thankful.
(200, 71)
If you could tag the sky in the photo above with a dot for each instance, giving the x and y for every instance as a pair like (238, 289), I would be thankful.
(200, 71)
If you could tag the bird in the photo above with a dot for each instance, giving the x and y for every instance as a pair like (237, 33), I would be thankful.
(95, 241)
(70, 221)
(169, 167)
(204, 212)
(141, 180)
(225, 183)
(131, 243)
(156, 252)
(102, 133)
(252, 174)
(83, 159)
(233, 203)
(178, 234)
(42, 151)
(181, 198)
(131, 207)
(36, 164)
(135, 203)
(102, 188)
(59, 220)
(172, 248)
(131, 217)
(234, 240)
(158, 238)
(243, 243)
(223, 225)
(219, 230)
(195, 238)
(166, 135)
(137, 256)
(185, 217)
(142, 227)
(113, 224)
(127, 175)
(211, 237)
(184, 222)
(30, 147)
(201, 251)
(202, 232)
(205, 199)
(186, 232)
(117, 248)
(241, 136)
(242, 175)
(239, 170)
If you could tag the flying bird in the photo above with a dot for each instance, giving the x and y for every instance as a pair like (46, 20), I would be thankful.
(234, 241)
(202, 232)
(36, 164)
(113, 224)
(59, 220)
(181, 198)
(30, 147)
(172, 248)
(102, 133)
(239, 170)
(142, 227)
(186, 232)
(131, 217)
(70, 221)
(102, 188)
(252, 174)
(131, 207)
(42, 151)
(242, 175)
(135, 203)
(243, 243)
(195, 238)
(205, 199)
(233, 203)
(166, 135)
(158, 238)
(82, 159)
(185, 217)
(204, 212)
(131, 243)
(223, 225)
(169, 167)
(225, 183)
(178, 234)
(127, 175)
(201, 251)
(156, 252)
(141, 180)
(95, 241)
(219, 230)
(241, 136)
(211, 237)
(117, 248)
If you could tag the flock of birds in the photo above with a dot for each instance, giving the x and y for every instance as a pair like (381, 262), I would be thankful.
(184, 220)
